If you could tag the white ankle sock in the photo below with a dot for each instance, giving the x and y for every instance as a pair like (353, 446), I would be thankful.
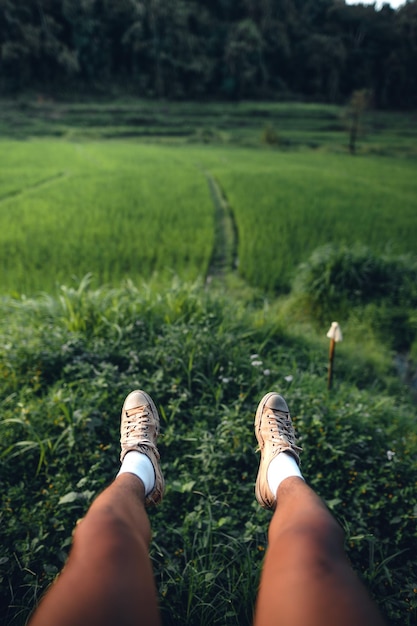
(282, 466)
(139, 464)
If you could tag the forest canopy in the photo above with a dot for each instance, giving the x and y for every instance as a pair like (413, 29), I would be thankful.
(225, 49)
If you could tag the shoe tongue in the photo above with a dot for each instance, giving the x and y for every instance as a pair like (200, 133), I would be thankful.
(141, 410)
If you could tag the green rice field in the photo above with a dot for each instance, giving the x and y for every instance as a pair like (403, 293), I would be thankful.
(124, 209)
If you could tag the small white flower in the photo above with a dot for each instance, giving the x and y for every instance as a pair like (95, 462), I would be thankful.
(225, 380)
(267, 372)
(390, 455)
(289, 378)
(256, 363)
(254, 356)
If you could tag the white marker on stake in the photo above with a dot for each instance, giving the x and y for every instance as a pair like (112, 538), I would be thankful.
(335, 335)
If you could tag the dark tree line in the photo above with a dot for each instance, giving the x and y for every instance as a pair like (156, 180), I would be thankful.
(317, 49)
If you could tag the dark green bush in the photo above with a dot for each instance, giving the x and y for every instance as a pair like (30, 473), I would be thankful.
(338, 279)
(270, 135)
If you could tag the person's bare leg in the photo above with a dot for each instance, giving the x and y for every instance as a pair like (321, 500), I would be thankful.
(306, 578)
(108, 578)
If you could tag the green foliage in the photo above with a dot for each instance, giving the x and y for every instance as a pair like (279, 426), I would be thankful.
(358, 103)
(112, 210)
(359, 452)
(99, 216)
(338, 280)
(190, 49)
(270, 136)
(286, 205)
(300, 124)
(69, 209)
(67, 363)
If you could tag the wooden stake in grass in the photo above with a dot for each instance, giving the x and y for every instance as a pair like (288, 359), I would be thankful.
(335, 335)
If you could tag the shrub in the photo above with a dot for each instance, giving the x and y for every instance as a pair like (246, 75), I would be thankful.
(338, 279)
(270, 136)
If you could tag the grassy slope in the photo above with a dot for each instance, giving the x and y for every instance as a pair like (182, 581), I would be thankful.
(68, 360)
(65, 368)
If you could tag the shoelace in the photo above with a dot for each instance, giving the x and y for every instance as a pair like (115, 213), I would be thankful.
(281, 427)
(137, 424)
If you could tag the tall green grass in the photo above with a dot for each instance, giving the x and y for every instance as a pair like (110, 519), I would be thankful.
(288, 204)
(122, 209)
(112, 210)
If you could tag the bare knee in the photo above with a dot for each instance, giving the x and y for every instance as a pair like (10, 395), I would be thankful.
(103, 533)
(315, 543)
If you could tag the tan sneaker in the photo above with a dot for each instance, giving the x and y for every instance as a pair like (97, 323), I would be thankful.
(274, 431)
(139, 430)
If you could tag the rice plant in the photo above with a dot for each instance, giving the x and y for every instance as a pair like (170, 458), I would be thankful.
(119, 211)
(124, 210)
(287, 205)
